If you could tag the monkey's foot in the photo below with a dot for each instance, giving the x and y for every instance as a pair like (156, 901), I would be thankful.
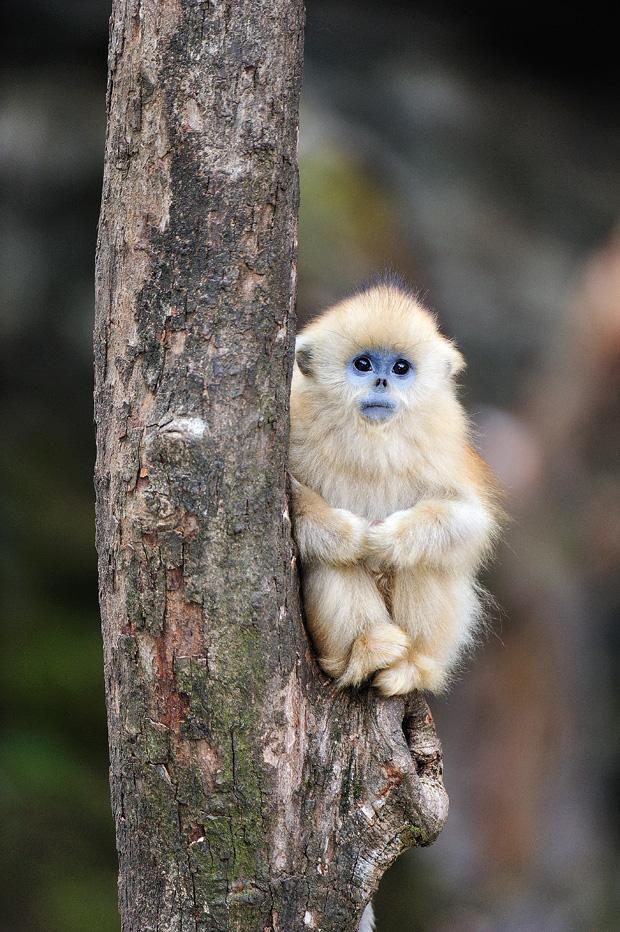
(380, 646)
(421, 672)
(334, 667)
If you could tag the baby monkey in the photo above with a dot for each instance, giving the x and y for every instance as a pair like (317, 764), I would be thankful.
(394, 512)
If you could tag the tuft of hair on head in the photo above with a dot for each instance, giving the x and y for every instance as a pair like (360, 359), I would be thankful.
(387, 278)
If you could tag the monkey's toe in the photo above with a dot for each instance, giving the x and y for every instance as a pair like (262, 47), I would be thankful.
(333, 666)
(432, 673)
(398, 680)
(420, 673)
(382, 645)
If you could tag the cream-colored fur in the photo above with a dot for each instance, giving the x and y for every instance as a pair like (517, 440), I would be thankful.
(392, 518)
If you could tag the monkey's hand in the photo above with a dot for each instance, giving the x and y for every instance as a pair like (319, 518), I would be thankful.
(325, 534)
(379, 545)
(440, 532)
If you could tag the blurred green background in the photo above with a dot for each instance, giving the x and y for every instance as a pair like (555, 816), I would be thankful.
(477, 152)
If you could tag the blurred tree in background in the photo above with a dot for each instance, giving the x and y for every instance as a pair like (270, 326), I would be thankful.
(480, 155)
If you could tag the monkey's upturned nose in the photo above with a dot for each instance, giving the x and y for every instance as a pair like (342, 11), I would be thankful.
(381, 383)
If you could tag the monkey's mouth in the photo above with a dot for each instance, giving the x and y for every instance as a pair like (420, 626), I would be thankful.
(378, 410)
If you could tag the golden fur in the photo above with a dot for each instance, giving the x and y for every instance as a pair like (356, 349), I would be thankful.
(392, 519)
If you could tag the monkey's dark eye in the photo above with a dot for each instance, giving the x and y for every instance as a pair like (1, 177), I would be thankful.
(401, 367)
(362, 364)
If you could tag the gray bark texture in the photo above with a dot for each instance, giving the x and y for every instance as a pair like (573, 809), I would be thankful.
(247, 793)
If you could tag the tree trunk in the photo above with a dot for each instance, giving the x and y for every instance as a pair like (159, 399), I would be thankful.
(247, 793)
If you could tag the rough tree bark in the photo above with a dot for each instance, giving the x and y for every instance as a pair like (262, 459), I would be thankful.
(247, 794)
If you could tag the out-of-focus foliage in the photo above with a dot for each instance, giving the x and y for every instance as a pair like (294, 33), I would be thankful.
(57, 867)
(484, 168)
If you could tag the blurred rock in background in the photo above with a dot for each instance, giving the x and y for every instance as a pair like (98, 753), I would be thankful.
(479, 154)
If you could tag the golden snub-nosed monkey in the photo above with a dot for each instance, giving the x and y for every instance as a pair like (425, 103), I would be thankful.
(394, 512)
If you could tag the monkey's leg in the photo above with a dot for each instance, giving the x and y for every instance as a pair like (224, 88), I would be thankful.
(439, 610)
(350, 625)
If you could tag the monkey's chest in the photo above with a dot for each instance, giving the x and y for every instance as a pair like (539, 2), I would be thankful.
(371, 498)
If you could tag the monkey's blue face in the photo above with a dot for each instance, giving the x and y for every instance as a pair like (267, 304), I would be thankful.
(381, 374)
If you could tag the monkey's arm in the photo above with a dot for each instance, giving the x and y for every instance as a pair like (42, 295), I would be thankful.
(450, 533)
(325, 534)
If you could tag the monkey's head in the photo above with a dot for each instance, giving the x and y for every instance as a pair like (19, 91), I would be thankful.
(378, 354)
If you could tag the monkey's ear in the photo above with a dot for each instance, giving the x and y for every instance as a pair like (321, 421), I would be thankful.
(455, 361)
(304, 357)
